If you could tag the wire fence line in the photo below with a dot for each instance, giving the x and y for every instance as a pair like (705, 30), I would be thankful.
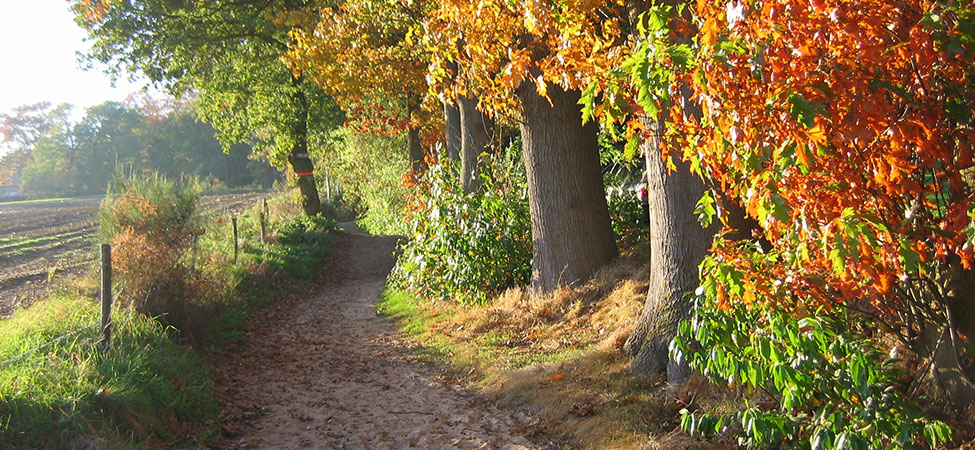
(107, 299)
(7, 362)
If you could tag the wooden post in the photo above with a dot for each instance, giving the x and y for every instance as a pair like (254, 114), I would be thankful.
(106, 297)
(234, 221)
(261, 217)
(328, 186)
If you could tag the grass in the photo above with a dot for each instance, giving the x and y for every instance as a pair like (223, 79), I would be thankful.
(145, 387)
(559, 356)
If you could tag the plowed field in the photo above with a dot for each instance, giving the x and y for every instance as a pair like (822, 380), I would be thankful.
(41, 236)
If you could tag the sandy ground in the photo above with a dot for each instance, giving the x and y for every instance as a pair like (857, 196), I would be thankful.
(323, 370)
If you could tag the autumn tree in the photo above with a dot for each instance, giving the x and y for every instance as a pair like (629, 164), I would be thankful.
(505, 54)
(230, 53)
(372, 67)
(678, 242)
(845, 130)
(355, 57)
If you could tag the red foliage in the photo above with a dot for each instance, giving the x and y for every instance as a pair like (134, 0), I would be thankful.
(844, 128)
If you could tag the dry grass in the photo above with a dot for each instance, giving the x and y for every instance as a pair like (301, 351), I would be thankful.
(558, 355)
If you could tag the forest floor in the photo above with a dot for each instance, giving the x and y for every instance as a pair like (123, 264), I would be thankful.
(321, 369)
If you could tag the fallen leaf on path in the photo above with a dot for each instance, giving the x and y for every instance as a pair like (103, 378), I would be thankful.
(582, 409)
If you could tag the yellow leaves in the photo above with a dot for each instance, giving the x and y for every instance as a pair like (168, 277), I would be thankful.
(541, 87)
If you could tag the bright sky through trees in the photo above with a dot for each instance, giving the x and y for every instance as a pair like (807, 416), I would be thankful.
(38, 60)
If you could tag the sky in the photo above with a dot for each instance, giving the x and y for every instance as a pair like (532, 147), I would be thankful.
(39, 41)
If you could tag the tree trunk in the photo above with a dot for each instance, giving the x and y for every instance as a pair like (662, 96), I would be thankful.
(417, 156)
(678, 243)
(299, 159)
(571, 233)
(477, 132)
(452, 131)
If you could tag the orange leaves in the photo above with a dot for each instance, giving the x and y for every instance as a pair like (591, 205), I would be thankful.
(517, 68)
(837, 109)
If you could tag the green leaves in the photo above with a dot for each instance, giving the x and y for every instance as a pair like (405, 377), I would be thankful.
(804, 111)
(704, 209)
(833, 388)
(466, 246)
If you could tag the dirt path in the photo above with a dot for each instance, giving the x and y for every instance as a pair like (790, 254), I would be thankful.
(322, 370)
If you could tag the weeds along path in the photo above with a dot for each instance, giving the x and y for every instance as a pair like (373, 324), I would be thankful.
(322, 370)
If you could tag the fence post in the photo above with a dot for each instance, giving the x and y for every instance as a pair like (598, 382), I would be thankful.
(106, 297)
(328, 186)
(261, 215)
(234, 221)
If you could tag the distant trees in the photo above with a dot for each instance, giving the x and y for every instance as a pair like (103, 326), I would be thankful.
(231, 54)
(65, 159)
(20, 130)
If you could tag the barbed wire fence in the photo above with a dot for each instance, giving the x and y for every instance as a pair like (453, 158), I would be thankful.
(106, 297)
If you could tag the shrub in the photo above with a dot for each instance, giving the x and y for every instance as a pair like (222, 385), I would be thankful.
(152, 224)
(629, 222)
(467, 245)
(308, 230)
(824, 385)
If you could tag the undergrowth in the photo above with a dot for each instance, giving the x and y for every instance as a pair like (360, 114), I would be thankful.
(467, 245)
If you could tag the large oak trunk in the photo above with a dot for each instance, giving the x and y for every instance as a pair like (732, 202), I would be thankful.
(299, 159)
(477, 131)
(571, 233)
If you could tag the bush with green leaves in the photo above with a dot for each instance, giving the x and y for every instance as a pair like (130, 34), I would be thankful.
(467, 246)
(820, 384)
(626, 214)
(308, 230)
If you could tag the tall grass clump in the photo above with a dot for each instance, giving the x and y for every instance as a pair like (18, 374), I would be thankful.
(467, 246)
(57, 390)
(153, 224)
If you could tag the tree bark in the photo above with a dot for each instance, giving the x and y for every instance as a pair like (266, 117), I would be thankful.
(477, 132)
(417, 156)
(678, 243)
(452, 131)
(299, 159)
(571, 233)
